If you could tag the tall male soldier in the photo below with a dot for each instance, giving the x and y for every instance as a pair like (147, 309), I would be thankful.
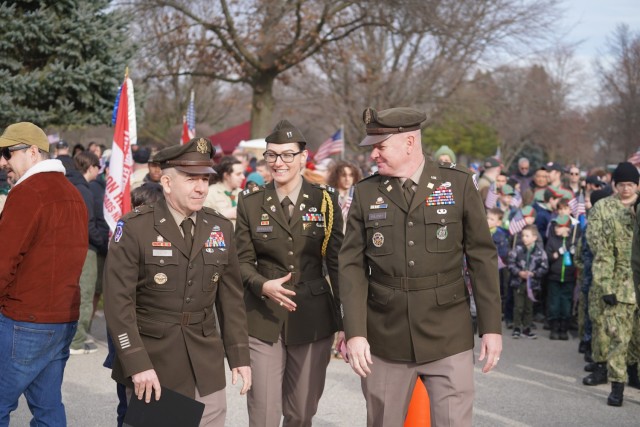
(44, 243)
(168, 264)
(406, 307)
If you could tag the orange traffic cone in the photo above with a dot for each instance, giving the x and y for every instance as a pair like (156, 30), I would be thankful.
(418, 414)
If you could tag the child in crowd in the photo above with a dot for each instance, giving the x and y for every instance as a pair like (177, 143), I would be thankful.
(527, 265)
(505, 196)
(501, 240)
(560, 249)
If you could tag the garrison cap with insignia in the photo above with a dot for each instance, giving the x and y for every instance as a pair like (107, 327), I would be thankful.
(194, 157)
(285, 133)
(381, 125)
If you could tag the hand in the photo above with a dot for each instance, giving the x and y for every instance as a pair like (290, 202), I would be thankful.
(274, 290)
(245, 373)
(610, 299)
(490, 348)
(146, 381)
(359, 355)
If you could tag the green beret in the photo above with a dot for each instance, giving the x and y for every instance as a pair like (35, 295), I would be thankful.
(507, 190)
(285, 133)
(562, 221)
(195, 157)
(381, 125)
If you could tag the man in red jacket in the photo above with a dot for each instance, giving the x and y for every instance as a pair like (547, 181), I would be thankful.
(44, 243)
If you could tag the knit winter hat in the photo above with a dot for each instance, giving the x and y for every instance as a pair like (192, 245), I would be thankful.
(625, 172)
(444, 150)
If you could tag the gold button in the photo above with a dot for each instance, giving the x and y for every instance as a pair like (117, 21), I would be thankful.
(442, 220)
(291, 268)
(161, 261)
(410, 224)
(290, 252)
(411, 263)
(188, 300)
(264, 235)
(410, 243)
(375, 223)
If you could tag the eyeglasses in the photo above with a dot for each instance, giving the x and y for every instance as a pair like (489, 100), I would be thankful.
(6, 151)
(272, 157)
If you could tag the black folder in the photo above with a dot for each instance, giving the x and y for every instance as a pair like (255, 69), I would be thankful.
(172, 410)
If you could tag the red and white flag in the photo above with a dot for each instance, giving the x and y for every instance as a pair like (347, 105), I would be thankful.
(117, 199)
(333, 145)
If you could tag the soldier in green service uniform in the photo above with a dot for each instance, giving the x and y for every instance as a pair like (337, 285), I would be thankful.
(168, 265)
(610, 235)
(284, 231)
(406, 307)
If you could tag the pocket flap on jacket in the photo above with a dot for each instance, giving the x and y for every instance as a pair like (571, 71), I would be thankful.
(450, 293)
(379, 293)
(319, 287)
(151, 328)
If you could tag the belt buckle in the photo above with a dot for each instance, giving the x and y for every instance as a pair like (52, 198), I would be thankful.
(186, 319)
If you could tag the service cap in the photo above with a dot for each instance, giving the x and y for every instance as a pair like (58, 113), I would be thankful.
(381, 125)
(194, 157)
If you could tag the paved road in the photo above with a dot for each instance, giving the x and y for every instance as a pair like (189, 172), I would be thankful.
(538, 383)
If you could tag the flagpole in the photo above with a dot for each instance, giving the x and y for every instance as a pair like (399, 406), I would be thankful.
(344, 141)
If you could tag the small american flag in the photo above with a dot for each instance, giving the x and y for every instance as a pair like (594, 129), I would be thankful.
(577, 205)
(635, 158)
(517, 223)
(492, 197)
(189, 122)
(333, 145)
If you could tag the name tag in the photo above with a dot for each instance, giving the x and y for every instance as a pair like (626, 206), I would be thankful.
(264, 229)
(162, 252)
(377, 215)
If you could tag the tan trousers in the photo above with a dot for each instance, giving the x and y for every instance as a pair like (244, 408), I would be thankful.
(449, 382)
(215, 407)
(286, 380)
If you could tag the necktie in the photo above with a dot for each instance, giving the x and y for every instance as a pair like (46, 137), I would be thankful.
(186, 228)
(286, 202)
(408, 191)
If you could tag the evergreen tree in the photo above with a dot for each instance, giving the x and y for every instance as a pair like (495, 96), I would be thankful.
(61, 61)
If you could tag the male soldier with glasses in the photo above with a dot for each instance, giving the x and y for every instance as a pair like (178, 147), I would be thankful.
(284, 230)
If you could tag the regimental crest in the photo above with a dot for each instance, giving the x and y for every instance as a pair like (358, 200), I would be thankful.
(202, 146)
(367, 116)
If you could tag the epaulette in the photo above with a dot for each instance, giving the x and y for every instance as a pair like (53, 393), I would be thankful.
(253, 190)
(454, 166)
(138, 210)
(212, 211)
(375, 174)
(329, 188)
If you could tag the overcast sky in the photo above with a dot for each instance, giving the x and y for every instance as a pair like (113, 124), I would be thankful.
(592, 21)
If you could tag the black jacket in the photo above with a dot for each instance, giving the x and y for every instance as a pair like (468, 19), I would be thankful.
(555, 245)
(96, 237)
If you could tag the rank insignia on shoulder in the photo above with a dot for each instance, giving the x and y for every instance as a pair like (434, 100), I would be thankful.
(117, 235)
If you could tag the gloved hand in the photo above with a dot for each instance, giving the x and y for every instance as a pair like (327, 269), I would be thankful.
(610, 299)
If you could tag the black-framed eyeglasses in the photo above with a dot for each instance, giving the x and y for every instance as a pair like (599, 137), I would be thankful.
(6, 151)
(271, 157)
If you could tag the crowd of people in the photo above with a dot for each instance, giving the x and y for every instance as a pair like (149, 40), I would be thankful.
(564, 240)
(279, 263)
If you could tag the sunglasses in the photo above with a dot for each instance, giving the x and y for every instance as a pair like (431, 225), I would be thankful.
(6, 151)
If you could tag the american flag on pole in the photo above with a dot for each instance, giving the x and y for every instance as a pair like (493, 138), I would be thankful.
(492, 197)
(333, 145)
(635, 158)
(189, 122)
(117, 200)
(577, 205)
(517, 223)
